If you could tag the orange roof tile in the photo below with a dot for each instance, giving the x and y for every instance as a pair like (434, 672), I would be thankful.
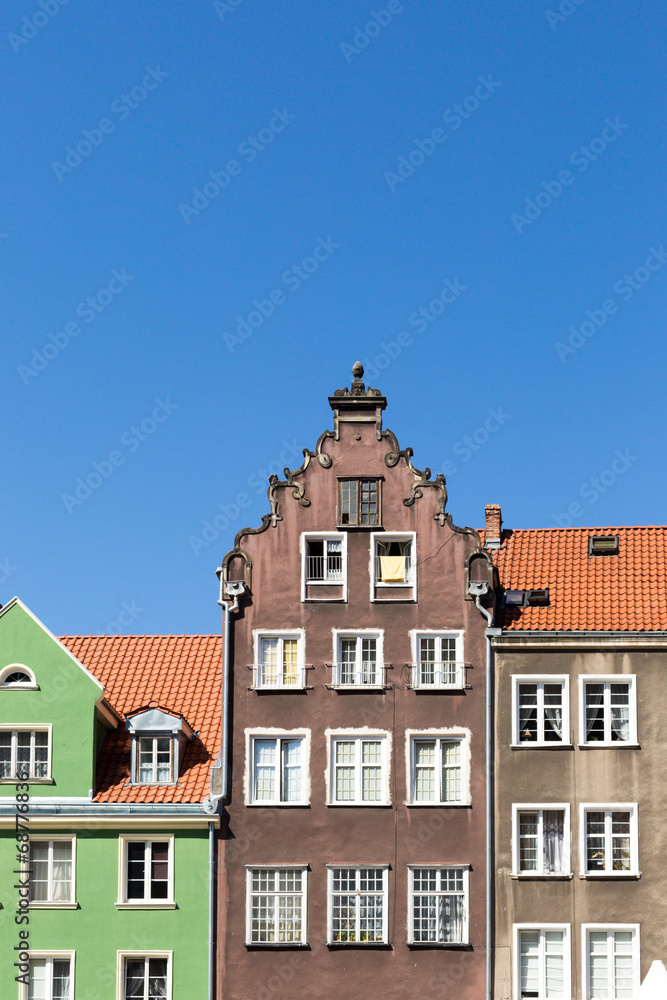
(181, 673)
(625, 592)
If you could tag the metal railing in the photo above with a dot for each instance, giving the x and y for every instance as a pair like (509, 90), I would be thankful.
(369, 673)
(276, 676)
(327, 569)
(438, 674)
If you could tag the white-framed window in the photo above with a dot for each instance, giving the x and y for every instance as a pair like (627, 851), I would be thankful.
(25, 754)
(359, 659)
(324, 565)
(52, 871)
(393, 563)
(542, 963)
(540, 710)
(17, 675)
(359, 767)
(276, 905)
(359, 502)
(145, 872)
(609, 839)
(277, 769)
(608, 710)
(279, 660)
(610, 961)
(438, 904)
(144, 975)
(155, 760)
(439, 768)
(50, 976)
(541, 839)
(437, 659)
(358, 904)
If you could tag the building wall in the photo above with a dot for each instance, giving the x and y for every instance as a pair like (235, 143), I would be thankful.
(576, 775)
(96, 930)
(320, 835)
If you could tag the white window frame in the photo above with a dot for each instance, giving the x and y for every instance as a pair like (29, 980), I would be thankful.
(411, 582)
(416, 635)
(384, 892)
(607, 680)
(412, 892)
(458, 735)
(323, 536)
(51, 956)
(173, 758)
(147, 903)
(541, 808)
(121, 957)
(259, 636)
(12, 668)
(607, 808)
(35, 728)
(610, 929)
(542, 929)
(358, 634)
(278, 735)
(540, 679)
(303, 869)
(50, 903)
(358, 735)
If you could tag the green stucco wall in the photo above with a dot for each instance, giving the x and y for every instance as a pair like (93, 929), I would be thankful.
(97, 930)
(66, 699)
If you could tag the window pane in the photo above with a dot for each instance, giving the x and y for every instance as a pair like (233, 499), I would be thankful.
(37, 990)
(265, 771)
(136, 854)
(554, 965)
(291, 771)
(345, 758)
(451, 772)
(598, 966)
(5, 755)
(348, 502)
(348, 659)
(39, 863)
(61, 979)
(594, 712)
(528, 846)
(595, 841)
(289, 661)
(62, 871)
(527, 713)
(529, 963)
(159, 870)
(427, 661)
(134, 979)
(425, 771)
(371, 759)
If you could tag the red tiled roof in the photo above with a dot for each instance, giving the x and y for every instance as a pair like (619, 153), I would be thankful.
(181, 673)
(625, 592)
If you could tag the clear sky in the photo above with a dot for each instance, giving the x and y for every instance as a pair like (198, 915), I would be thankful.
(212, 209)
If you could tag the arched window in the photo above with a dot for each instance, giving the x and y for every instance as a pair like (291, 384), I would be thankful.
(16, 675)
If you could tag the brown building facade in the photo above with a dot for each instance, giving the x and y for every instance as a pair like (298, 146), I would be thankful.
(353, 850)
(580, 761)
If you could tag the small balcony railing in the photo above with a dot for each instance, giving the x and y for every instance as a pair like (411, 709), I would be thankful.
(324, 569)
(434, 674)
(273, 676)
(393, 569)
(369, 673)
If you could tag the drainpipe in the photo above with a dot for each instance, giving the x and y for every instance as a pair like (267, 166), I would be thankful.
(478, 590)
(212, 804)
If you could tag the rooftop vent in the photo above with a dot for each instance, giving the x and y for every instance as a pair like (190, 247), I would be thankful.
(603, 545)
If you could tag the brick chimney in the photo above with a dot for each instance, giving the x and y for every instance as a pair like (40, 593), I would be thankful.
(494, 522)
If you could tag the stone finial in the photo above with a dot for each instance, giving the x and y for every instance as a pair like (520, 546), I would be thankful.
(357, 388)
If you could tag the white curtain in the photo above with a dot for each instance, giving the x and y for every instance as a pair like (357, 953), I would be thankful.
(554, 716)
(620, 722)
(554, 845)
(451, 918)
(594, 700)
(527, 707)
(62, 871)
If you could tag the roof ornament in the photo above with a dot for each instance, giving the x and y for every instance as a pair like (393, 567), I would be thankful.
(357, 388)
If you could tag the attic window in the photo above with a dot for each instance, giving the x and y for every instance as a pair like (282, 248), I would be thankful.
(159, 742)
(538, 597)
(516, 598)
(603, 545)
(17, 676)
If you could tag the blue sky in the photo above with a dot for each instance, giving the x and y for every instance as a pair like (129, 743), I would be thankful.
(212, 209)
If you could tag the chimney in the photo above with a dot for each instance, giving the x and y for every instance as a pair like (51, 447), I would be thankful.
(494, 522)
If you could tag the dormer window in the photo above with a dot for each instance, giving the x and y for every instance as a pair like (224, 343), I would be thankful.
(159, 742)
(16, 675)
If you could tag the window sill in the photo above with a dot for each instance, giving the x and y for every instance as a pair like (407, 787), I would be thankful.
(435, 689)
(437, 805)
(617, 745)
(278, 805)
(395, 600)
(52, 905)
(358, 805)
(460, 945)
(536, 877)
(541, 746)
(359, 944)
(275, 945)
(605, 876)
(145, 906)
(27, 781)
(358, 688)
(295, 689)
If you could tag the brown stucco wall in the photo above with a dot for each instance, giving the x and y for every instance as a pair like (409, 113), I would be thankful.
(318, 835)
(575, 776)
